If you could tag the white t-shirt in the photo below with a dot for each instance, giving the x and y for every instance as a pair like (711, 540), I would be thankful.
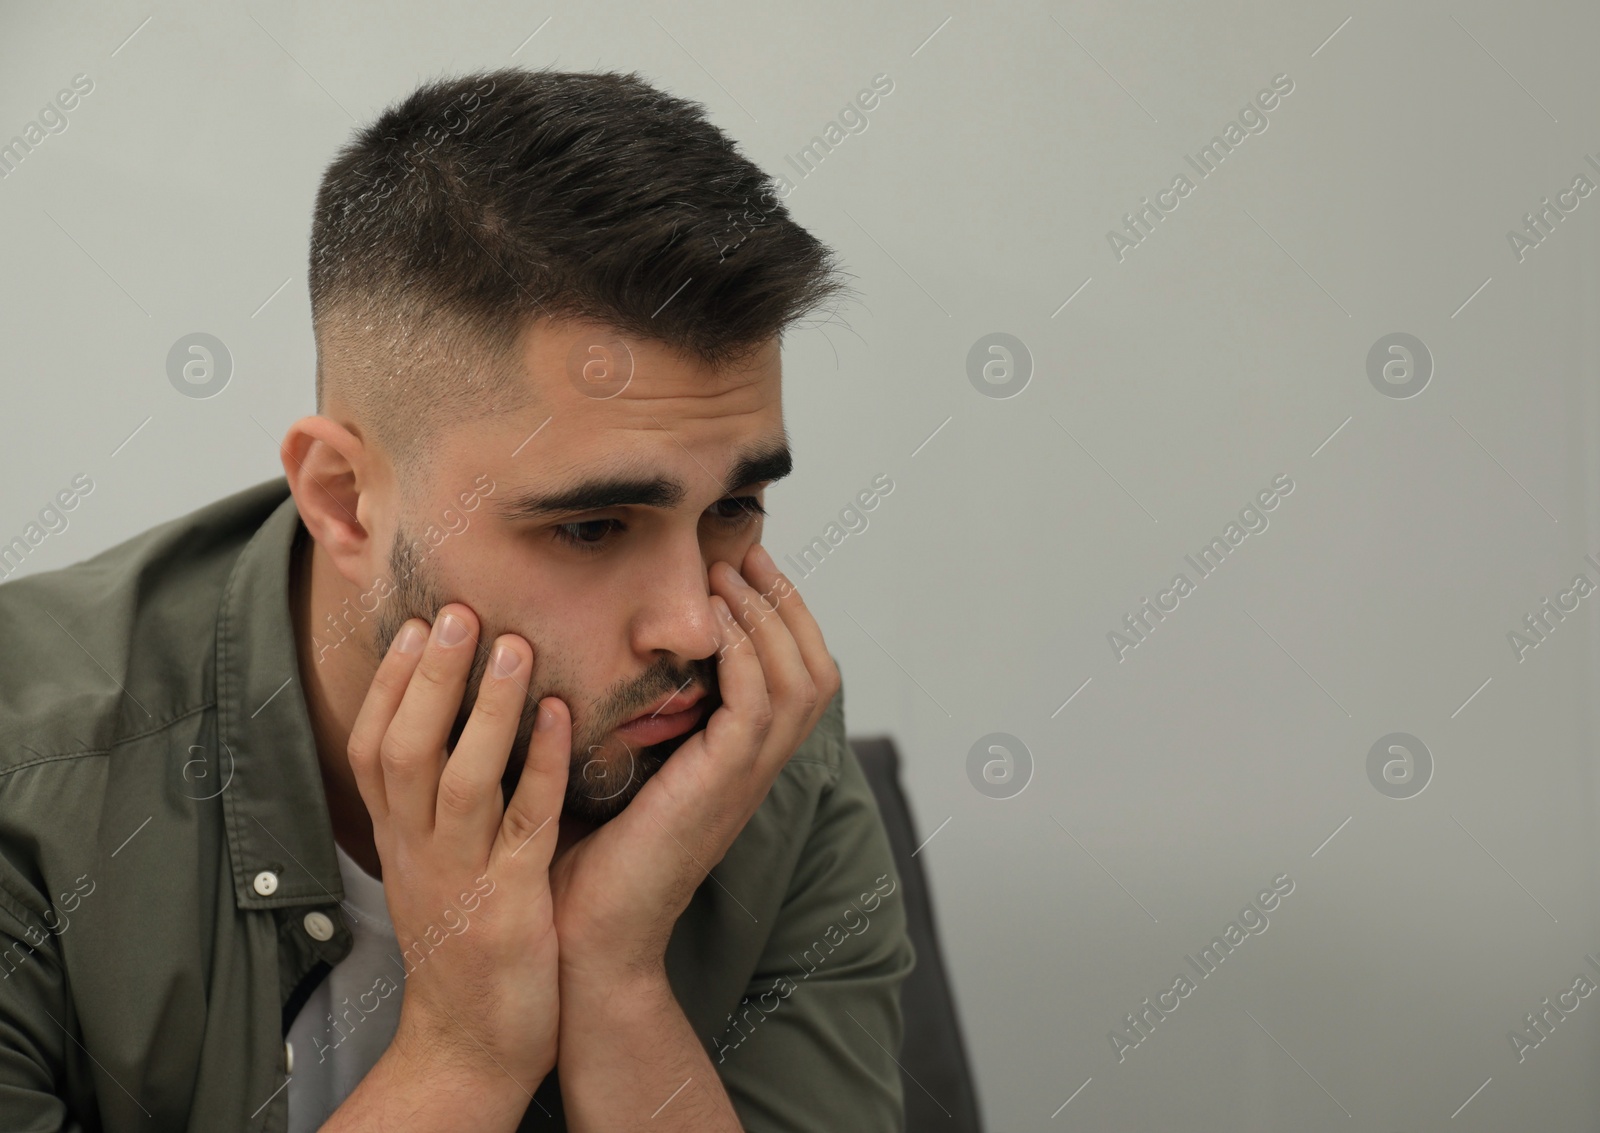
(350, 1018)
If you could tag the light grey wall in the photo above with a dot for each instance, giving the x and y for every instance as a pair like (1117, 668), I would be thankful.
(1167, 389)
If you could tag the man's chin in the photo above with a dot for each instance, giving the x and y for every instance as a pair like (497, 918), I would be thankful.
(600, 788)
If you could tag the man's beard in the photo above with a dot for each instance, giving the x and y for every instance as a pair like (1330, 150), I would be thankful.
(605, 773)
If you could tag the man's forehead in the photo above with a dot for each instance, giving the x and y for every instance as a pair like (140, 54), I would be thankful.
(584, 365)
(637, 411)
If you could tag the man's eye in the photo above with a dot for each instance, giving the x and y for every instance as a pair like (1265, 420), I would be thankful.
(738, 510)
(586, 534)
(594, 534)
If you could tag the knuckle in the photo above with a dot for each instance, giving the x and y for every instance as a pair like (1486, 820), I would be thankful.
(359, 751)
(761, 717)
(457, 795)
(495, 701)
(432, 671)
(392, 675)
(518, 825)
(397, 755)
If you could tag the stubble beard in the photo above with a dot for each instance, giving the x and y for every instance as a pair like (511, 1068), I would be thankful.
(605, 773)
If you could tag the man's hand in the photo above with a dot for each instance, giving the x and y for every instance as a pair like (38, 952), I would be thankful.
(467, 886)
(629, 1058)
(619, 891)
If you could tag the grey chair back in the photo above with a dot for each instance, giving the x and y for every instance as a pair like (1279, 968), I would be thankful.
(939, 1088)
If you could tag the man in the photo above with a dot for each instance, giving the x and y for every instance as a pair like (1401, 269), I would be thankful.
(483, 773)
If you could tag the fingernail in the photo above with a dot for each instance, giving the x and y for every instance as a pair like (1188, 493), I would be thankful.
(543, 718)
(506, 661)
(452, 630)
(410, 638)
(763, 559)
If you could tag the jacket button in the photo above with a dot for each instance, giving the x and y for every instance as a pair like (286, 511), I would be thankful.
(266, 883)
(288, 1058)
(318, 926)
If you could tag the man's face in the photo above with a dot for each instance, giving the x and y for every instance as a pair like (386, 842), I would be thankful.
(587, 525)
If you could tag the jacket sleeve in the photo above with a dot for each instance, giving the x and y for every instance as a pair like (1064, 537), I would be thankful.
(814, 1047)
(33, 1013)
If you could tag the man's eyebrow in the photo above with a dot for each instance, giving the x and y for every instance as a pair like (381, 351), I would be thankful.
(762, 463)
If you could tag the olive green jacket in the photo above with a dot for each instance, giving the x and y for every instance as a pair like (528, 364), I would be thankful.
(164, 836)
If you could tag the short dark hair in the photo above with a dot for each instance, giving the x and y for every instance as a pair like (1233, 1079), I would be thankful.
(481, 202)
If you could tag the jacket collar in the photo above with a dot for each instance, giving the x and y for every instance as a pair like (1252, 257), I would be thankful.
(275, 809)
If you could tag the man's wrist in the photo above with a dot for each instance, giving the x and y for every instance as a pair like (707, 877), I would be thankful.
(600, 986)
(455, 1067)
(408, 1089)
(627, 1049)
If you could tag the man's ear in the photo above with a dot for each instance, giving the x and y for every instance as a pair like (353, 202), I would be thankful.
(331, 473)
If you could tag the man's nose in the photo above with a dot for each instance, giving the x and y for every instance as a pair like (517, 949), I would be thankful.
(676, 615)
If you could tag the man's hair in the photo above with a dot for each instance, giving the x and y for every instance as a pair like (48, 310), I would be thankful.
(481, 202)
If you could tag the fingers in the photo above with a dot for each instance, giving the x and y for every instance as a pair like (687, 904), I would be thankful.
(377, 711)
(412, 752)
(469, 803)
(528, 831)
(790, 688)
(764, 574)
(742, 722)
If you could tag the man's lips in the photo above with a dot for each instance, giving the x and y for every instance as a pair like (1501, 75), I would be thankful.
(671, 716)
(671, 703)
